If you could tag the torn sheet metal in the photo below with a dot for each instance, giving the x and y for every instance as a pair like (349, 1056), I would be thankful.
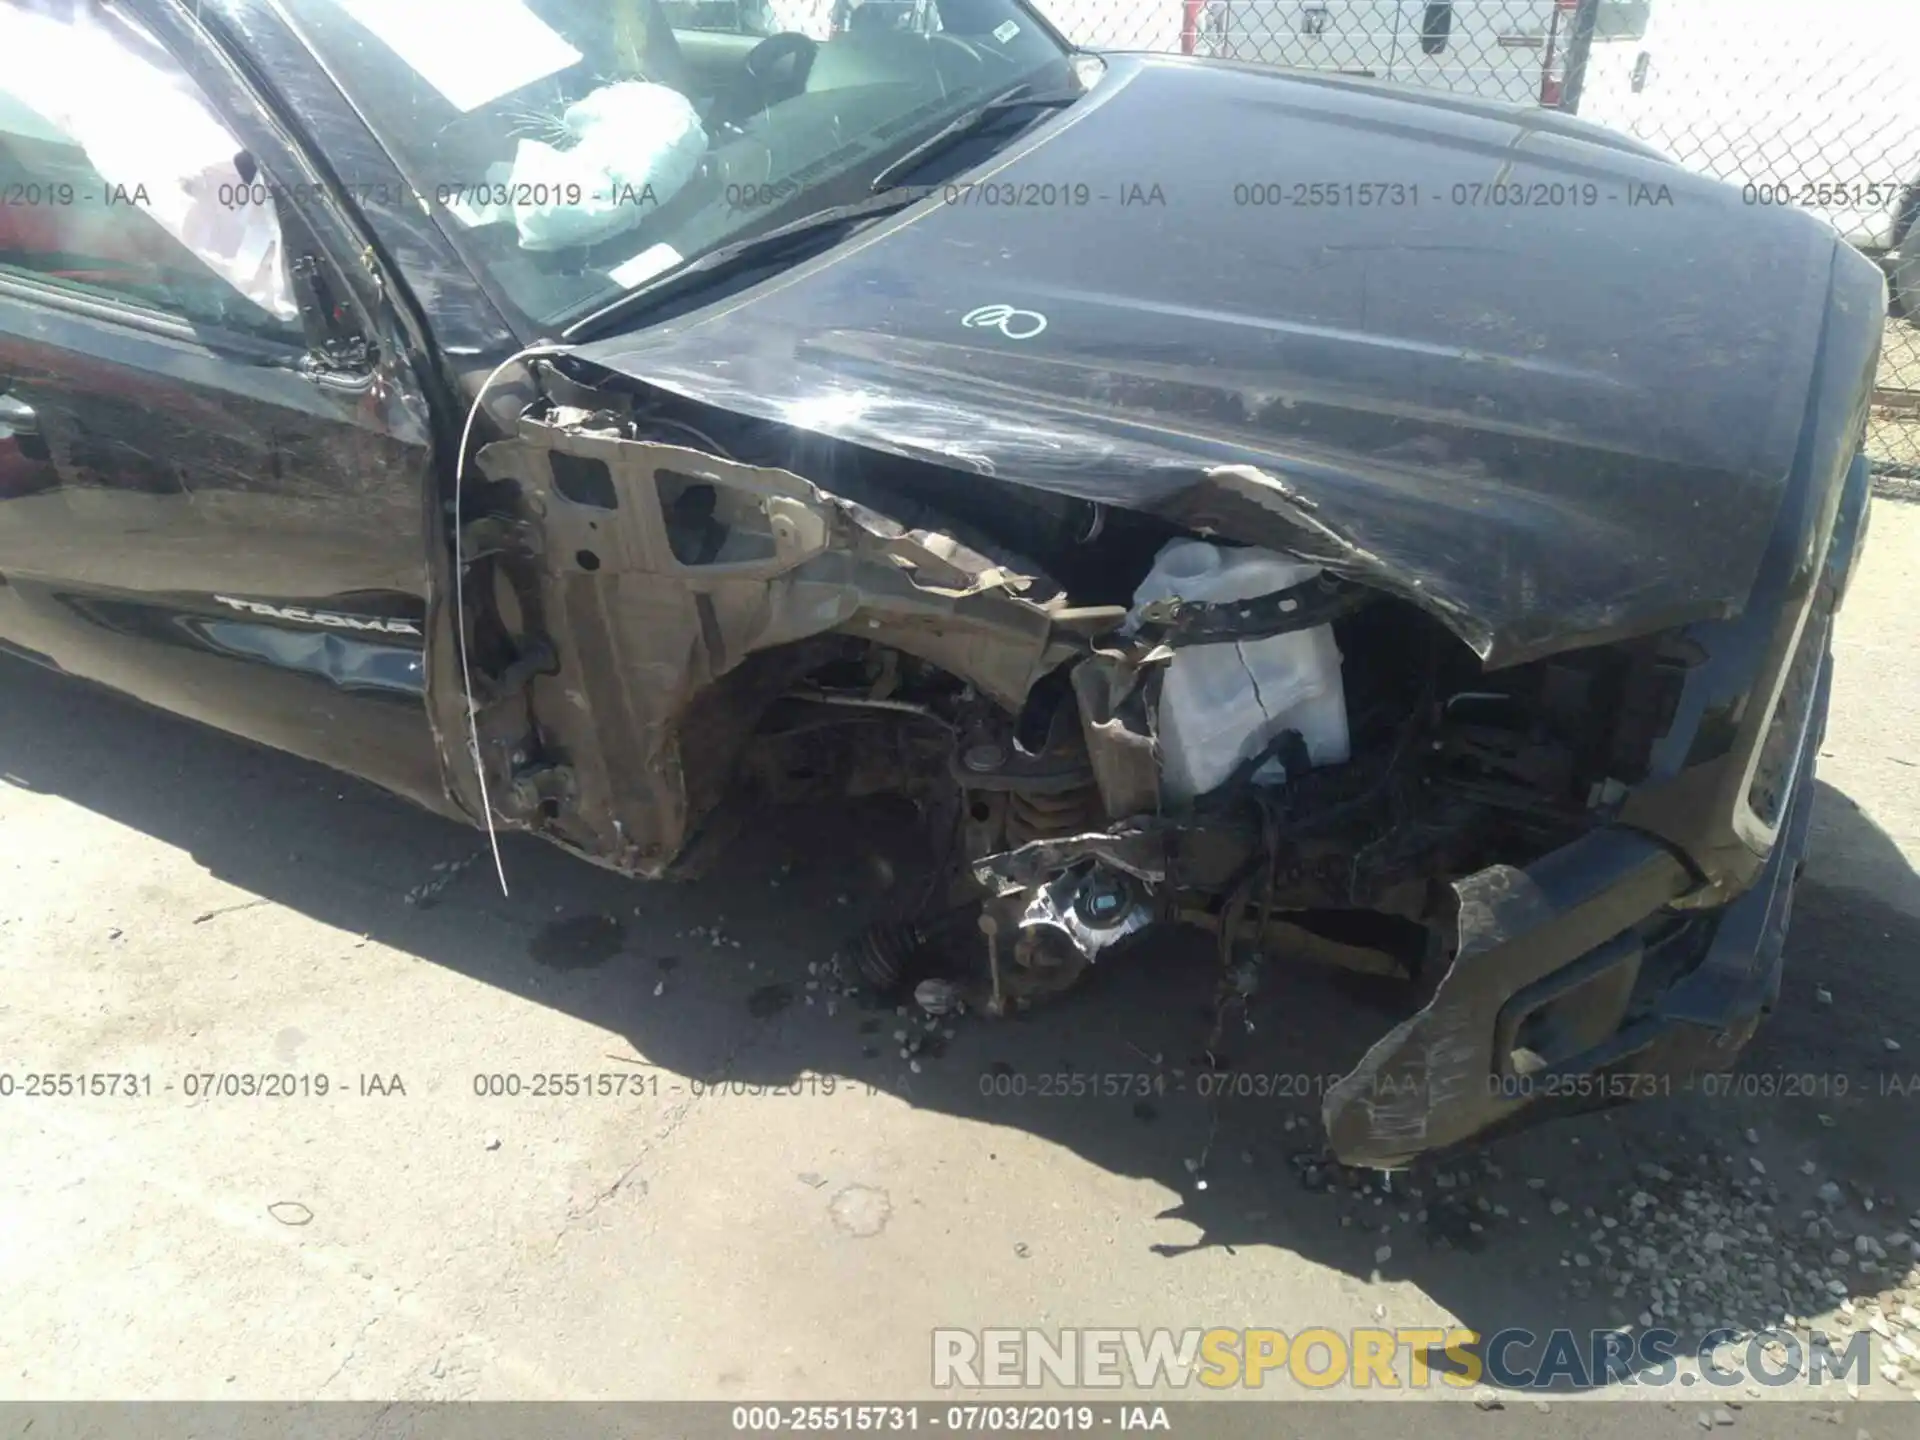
(1139, 850)
(1115, 725)
(679, 593)
(1470, 406)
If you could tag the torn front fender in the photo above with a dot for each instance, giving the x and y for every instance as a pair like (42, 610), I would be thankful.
(646, 602)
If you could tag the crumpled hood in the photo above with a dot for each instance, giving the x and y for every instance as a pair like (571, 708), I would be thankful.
(1536, 378)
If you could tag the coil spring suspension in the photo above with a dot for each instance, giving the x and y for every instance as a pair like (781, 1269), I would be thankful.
(1032, 816)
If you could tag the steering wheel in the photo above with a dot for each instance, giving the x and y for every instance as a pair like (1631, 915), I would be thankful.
(775, 70)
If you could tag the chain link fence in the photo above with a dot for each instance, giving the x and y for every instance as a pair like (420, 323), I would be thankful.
(1809, 105)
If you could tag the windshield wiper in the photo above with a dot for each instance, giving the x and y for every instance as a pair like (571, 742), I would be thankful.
(739, 255)
(968, 124)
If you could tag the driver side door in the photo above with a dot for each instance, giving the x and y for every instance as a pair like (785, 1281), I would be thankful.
(221, 502)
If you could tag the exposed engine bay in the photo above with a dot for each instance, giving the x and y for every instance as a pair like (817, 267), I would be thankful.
(1064, 842)
(739, 635)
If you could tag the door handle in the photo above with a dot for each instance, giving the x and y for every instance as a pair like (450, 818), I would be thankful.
(17, 417)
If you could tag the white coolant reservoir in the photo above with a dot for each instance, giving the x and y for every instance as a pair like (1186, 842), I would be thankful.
(1220, 705)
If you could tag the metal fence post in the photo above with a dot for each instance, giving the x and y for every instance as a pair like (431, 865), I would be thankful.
(1579, 42)
(1191, 12)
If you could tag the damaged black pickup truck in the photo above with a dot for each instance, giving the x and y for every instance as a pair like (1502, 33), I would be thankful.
(1384, 529)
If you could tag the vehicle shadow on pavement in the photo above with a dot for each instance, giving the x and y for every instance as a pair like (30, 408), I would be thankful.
(1695, 1212)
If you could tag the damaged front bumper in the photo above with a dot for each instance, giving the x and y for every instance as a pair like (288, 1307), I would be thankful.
(1577, 985)
(1628, 963)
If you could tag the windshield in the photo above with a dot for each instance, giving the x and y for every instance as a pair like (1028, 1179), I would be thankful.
(577, 148)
